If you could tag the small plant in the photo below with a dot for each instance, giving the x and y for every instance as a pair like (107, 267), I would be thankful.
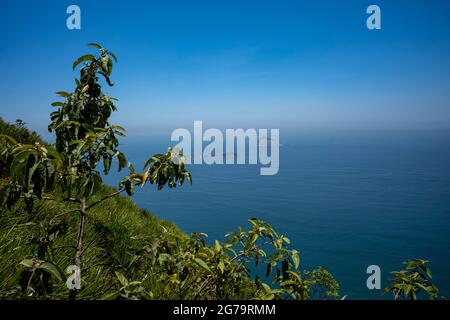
(187, 268)
(321, 284)
(414, 279)
(39, 272)
(128, 290)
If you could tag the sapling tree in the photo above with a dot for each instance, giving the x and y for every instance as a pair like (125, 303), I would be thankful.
(86, 144)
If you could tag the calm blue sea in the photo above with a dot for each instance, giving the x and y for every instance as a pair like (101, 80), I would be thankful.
(346, 201)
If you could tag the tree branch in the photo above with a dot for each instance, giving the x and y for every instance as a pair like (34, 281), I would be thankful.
(79, 244)
(105, 198)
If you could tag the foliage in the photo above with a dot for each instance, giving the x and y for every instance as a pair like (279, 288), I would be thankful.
(33, 171)
(321, 284)
(190, 269)
(85, 139)
(129, 290)
(412, 280)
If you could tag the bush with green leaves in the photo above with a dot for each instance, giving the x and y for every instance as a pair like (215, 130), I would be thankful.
(413, 280)
(188, 268)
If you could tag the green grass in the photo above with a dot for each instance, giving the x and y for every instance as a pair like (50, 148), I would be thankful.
(114, 231)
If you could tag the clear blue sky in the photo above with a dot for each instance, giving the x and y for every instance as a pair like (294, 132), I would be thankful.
(277, 64)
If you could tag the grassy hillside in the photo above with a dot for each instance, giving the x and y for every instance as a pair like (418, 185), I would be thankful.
(117, 230)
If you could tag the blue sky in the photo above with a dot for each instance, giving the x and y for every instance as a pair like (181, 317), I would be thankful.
(274, 64)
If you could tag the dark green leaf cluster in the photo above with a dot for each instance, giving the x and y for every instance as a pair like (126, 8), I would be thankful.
(412, 280)
(27, 171)
(84, 135)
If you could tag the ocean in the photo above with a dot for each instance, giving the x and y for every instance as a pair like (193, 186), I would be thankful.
(346, 201)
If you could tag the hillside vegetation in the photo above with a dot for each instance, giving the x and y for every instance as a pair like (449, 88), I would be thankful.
(65, 235)
(118, 229)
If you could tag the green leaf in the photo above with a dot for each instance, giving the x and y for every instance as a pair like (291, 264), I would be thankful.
(221, 266)
(129, 188)
(112, 55)
(93, 44)
(28, 263)
(106, 164)
(53, 269)
(122, 160)
(295, 258)
(268, 269)
(49, 267)
(121, 278)
(202, 264)
(428, 272)
(86, 57)
(63, 94)
(110, 296)
(109, 66)
(217, 246)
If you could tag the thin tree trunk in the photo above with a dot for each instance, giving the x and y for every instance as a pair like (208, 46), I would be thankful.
(79, 245)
